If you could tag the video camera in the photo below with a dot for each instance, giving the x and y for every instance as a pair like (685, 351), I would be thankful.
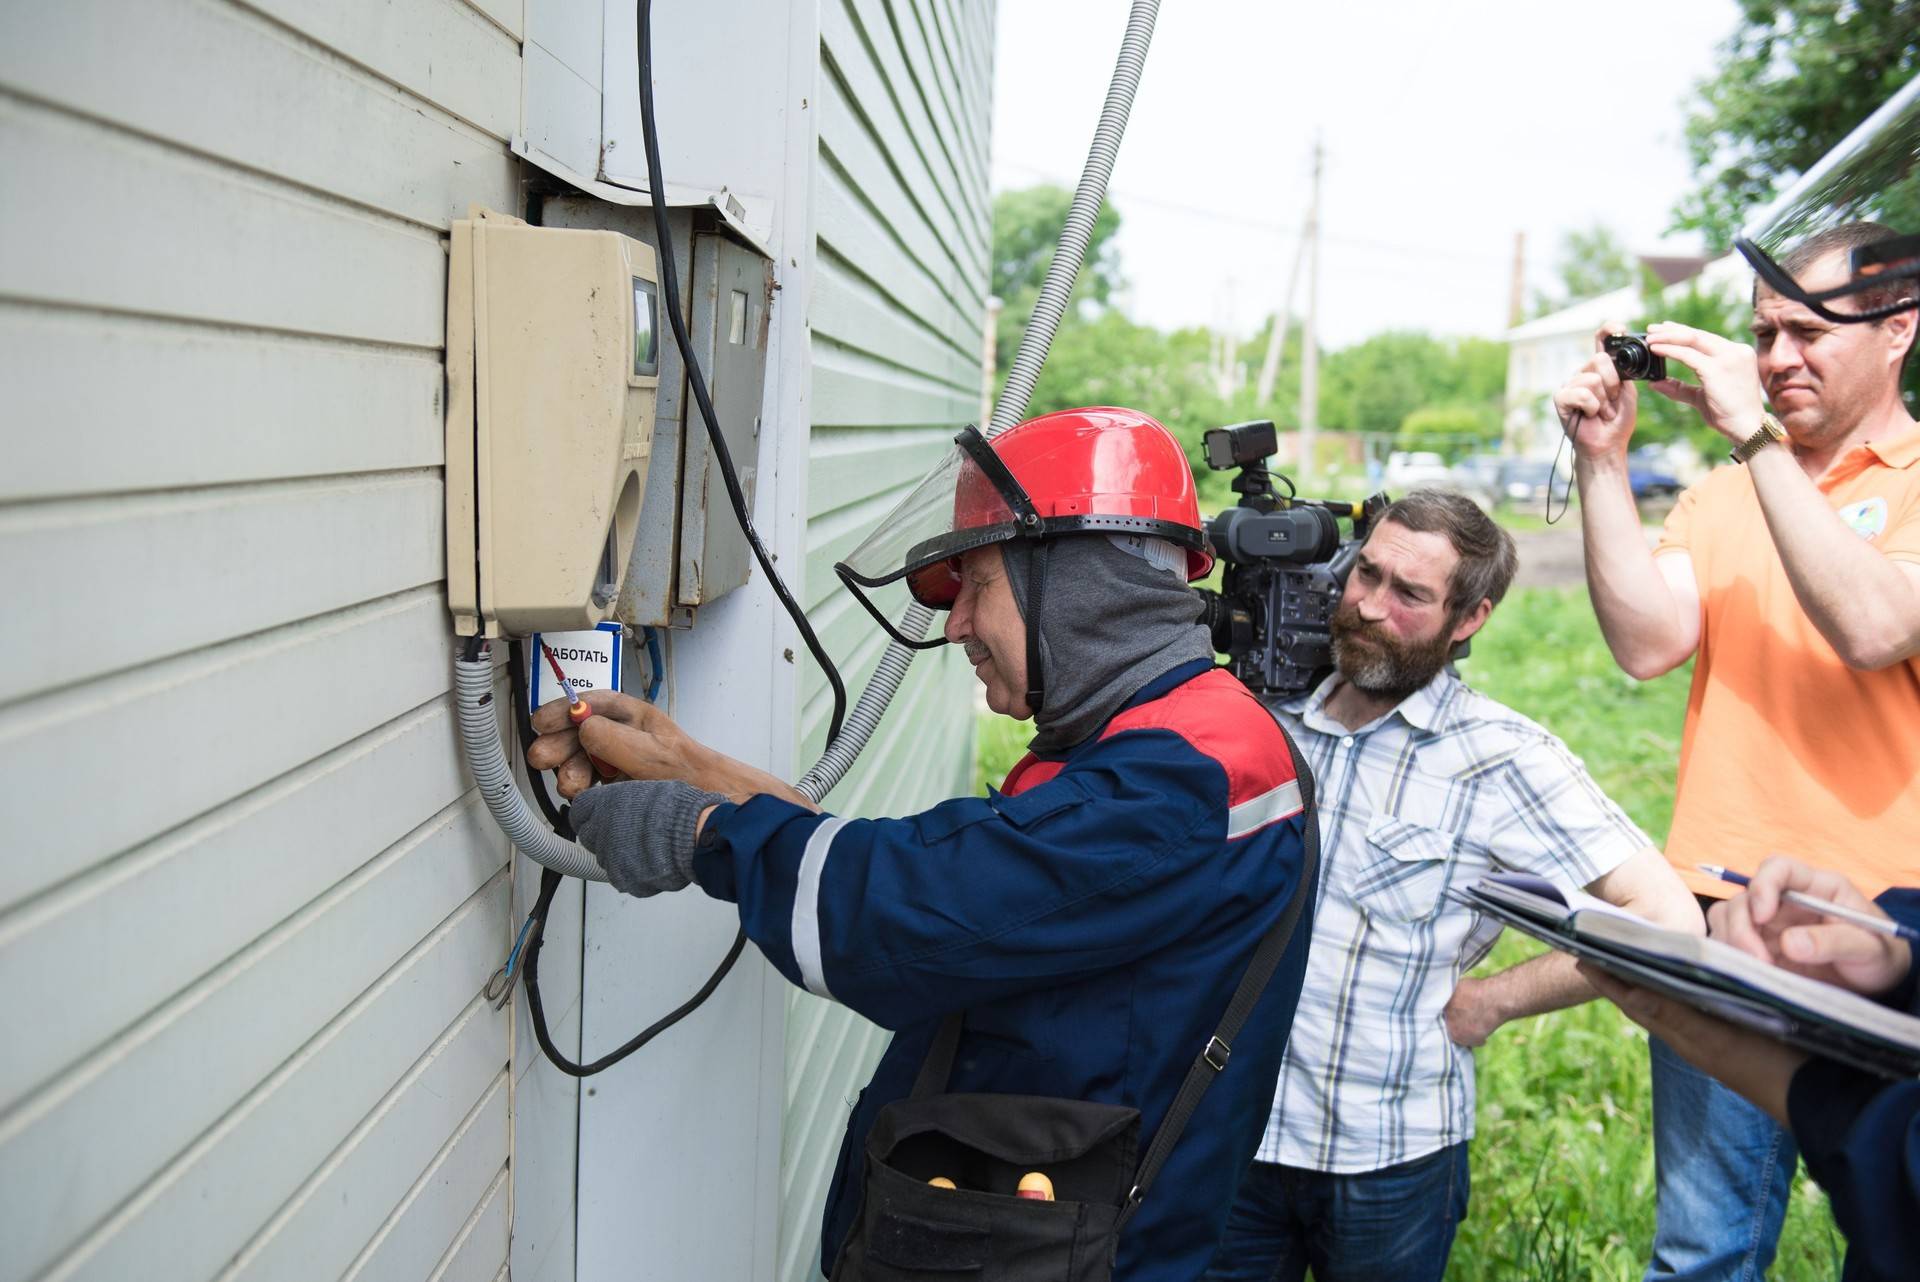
(1284, 565)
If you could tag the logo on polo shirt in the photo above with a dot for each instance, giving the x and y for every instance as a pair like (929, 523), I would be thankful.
(1867, 518)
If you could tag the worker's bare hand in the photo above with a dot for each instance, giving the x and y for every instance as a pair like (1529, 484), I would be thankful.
(1761, 921)
(641, 742)
(629, 734)
(1597, 407)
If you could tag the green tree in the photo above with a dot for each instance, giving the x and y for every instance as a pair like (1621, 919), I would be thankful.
(1026, 232)
(1110, 360)
(1796, 76)
(1375, 384)
(1590, 263)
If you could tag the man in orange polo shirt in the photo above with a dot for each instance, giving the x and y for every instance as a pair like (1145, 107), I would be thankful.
(1793, 580)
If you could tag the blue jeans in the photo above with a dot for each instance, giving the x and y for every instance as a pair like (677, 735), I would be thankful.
(1391, 1225)
(1724, 1172)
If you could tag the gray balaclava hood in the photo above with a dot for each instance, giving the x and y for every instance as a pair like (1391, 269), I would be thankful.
(1109, 624)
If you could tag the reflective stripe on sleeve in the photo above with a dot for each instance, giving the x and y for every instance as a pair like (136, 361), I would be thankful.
(1269, 807)
(806, 907)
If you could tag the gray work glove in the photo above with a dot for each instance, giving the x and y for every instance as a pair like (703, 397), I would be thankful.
(642, 832)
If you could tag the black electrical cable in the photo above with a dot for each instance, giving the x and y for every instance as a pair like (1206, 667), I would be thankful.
(543, 903)
(550, 880)
(530, 966)
(670, 300)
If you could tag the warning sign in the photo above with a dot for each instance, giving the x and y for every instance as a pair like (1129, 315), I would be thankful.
(591, 661)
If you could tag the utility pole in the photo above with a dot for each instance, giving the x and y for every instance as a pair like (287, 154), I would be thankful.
(1223, 352)
(1516, 306)
(1309, 344)
(1270, 367)
(1516, 312)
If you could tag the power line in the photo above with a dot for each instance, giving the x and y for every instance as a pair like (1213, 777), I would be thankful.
(1264, 225)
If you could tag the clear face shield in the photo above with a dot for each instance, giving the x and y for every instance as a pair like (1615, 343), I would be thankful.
(967, 501)
(1873, 175)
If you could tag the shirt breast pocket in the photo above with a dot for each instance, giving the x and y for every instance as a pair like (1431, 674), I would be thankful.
(1406, 870)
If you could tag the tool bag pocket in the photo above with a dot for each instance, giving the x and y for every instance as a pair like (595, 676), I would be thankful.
(910, 1230)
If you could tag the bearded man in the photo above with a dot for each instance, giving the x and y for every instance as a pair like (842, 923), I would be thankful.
(1424, 784)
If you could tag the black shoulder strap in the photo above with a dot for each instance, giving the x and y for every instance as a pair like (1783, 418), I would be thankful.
(1266, 958)
(938, 1066)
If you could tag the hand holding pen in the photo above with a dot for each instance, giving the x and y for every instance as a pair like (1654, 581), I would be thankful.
(1813, 921)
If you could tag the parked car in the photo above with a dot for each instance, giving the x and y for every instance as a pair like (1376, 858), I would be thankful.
(1648, 477)
(1413, 470)
(1478, 477)
(1526, 480)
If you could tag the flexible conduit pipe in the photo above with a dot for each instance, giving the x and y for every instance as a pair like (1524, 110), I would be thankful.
(1055, 293)
(480, 736)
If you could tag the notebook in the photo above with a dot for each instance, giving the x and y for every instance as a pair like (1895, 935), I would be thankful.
(1705, 973)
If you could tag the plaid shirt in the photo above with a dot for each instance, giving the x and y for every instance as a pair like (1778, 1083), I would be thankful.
(1443, 789)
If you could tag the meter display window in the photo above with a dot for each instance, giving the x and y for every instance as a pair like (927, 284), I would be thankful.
(646, 352)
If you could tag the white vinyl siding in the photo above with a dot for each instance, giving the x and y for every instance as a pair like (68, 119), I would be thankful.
(902, 213)
(249, 897)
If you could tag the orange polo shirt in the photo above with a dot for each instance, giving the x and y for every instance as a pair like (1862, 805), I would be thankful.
(1786, 749)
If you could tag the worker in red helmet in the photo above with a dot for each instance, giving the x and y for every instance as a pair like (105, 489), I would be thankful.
(1091, 971)
(1108, 471)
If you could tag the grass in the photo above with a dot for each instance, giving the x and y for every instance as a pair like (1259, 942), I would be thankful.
(1529, 516)
(1563, 1184)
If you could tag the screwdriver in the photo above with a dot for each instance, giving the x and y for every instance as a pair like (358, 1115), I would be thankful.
(578, 710)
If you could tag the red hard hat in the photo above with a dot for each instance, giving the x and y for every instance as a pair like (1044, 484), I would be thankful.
(1116, 469)
(1098, 470)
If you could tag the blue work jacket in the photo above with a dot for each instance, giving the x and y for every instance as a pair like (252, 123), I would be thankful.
(1092, 920)
(1860, 1135)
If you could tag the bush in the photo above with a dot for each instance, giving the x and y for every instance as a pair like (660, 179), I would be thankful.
(1451, 431)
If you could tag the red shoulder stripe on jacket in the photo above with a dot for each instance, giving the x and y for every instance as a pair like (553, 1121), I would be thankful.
(1221, 719)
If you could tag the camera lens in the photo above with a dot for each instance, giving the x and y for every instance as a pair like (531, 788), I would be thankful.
(1630, 357)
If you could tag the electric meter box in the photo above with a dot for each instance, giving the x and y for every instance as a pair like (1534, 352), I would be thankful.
(691, 551)
(553, 367)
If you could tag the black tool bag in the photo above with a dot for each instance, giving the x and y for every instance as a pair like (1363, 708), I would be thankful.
(909, 1230)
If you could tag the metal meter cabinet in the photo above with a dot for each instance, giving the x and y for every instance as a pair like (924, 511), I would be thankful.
(688, 550)
(732, 296)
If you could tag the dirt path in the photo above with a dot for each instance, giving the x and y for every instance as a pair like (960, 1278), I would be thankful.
(1550, 558)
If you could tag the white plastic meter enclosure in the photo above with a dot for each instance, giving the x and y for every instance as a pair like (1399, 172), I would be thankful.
(553, 367)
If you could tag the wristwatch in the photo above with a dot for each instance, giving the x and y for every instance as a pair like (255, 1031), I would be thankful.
(1770, 431)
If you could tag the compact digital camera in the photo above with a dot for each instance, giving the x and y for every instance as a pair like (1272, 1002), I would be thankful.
(1633, 358)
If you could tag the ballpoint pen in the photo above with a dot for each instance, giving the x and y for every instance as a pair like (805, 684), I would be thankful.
(1825, 908)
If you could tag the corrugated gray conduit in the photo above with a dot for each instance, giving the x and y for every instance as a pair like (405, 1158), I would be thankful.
(480, 735)
(1056, 292)
(473, 678)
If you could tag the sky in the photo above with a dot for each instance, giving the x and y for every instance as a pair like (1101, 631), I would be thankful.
(1447, 127)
